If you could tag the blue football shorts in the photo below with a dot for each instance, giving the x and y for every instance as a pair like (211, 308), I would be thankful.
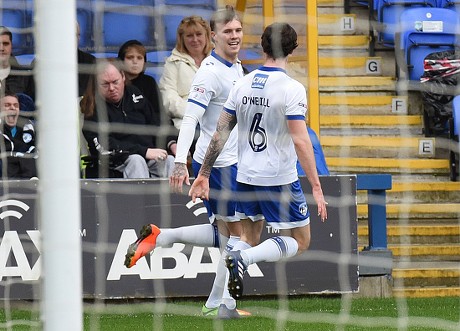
(282, 206)
(222, 184)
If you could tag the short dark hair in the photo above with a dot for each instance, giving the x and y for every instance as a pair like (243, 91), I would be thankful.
(223, 16)
(5, 32)
(279, 40)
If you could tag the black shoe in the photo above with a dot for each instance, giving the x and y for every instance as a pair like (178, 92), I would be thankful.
(236, 269)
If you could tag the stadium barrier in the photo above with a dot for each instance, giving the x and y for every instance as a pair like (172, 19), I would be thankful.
(114, 210)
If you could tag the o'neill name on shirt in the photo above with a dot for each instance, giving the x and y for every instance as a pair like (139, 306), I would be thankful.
(257, 101)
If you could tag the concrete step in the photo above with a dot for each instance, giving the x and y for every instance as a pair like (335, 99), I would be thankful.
(416, 234)
(420, 191)
(351, 165)
(371, 146)
(359, 65)
(337, 64)
(406, 210)
(371, 120)
(252, 39)
(341, 24)
(426, 274)
(423, 253)
(413, 252)
(356, 83)
(426, 292)
(342, 41)
(363, 103)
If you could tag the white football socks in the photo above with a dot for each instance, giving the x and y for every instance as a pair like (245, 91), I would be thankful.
(270, 250)
(203, 235)
(219, 292)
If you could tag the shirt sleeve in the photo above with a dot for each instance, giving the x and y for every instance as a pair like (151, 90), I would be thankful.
(296, 101)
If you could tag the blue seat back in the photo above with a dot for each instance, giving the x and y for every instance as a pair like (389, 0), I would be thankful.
(456, 114)
(425, 31)
(202, 3)
(124, 22)
(388, 14)
(15, 16)
(172, 21)
(154, 71)
(450, 4)
(85, 20)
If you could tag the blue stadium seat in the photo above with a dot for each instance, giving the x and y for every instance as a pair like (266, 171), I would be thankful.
(25, 59)
(105, 55)
(85, 20)
(124, 22)
(202, 3)
(456, 115)
(16, 18)
(454, 153)
(388, 16)
(134, 2)
(172, 21)
(450, 4)
(155, 71)
(424, 31)
(158, 57)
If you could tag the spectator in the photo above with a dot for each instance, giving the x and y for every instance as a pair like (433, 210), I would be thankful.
(18, 139)
(86, 63)
(134, 56)
(320, 160)
(193, 45)
(13, 77)
(108, 99)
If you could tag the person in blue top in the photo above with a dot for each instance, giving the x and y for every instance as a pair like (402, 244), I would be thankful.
(321, 166)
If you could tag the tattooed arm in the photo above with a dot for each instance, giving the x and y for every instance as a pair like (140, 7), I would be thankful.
(225, 125)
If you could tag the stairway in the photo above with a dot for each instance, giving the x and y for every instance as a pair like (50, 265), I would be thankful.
(361, 133)
(363, 130)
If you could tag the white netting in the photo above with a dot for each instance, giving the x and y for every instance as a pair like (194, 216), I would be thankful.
(369, 121)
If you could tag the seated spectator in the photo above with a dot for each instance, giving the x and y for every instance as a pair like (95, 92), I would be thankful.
(18, 135)
(86, 62)
(192, 46)
(13, 77)
(133, 124)
(321, 166)
(134, 56)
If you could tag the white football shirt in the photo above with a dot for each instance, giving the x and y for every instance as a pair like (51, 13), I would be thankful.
(263, 102)
(209, 91)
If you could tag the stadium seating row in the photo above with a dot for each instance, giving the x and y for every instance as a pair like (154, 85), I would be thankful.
(414, 29)
(388, 13)
(105, 25)
(454, 133)
(423, 31)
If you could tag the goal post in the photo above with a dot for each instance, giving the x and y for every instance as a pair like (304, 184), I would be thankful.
(59, 188)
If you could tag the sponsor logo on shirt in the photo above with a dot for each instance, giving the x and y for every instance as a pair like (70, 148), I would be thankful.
(303, 105)
(27, 137)
(136, 98)
(259, 81)
(198, 89)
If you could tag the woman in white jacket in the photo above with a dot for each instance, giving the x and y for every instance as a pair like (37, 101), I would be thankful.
(193, 44)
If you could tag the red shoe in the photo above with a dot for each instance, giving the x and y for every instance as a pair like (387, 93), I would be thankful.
(143, 245)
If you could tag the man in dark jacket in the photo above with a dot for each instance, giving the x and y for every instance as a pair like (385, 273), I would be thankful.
(13, 77)
(134, 126)
(18, 135)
